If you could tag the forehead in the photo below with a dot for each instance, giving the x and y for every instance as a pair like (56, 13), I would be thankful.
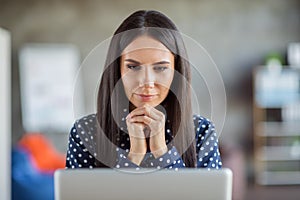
(145, 44)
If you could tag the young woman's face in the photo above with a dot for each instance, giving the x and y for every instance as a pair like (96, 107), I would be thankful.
(147, 70)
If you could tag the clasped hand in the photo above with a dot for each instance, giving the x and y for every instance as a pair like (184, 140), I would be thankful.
(146, 122)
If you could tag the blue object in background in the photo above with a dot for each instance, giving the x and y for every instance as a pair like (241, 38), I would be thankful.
(28, 183)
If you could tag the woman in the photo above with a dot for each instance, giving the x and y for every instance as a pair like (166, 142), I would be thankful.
(144, 116)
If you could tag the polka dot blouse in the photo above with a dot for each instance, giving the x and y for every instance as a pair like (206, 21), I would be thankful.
(80, 152)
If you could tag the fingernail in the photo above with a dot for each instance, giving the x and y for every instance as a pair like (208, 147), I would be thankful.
(127, 116)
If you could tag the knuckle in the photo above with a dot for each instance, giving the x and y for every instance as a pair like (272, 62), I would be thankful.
(147, 111)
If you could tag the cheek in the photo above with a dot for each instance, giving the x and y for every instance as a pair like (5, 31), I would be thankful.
(129, 83)
(166, 79)
(165, 85)
(164, 91)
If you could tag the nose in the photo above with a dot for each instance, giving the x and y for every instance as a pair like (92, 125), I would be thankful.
(149, 78)
(149, 85)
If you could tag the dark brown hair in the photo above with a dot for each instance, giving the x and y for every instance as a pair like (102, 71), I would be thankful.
(177, 103)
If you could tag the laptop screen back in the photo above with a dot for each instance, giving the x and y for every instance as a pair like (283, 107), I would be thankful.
(109, 184)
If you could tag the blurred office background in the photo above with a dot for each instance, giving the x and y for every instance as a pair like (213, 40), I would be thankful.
(239, 35)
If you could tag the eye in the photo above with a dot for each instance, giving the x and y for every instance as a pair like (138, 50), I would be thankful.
(134, 67)
(160, 68)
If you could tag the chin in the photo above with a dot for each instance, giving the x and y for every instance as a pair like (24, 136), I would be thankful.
(140, 104)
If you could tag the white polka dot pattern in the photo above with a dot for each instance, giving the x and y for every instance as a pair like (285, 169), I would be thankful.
(77, 156)
(208, 155)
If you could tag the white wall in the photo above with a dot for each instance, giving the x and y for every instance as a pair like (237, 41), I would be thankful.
(5, 114)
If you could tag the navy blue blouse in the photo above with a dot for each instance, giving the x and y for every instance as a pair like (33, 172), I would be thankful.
(80, 153)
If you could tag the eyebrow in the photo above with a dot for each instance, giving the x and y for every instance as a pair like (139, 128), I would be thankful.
(156, 63)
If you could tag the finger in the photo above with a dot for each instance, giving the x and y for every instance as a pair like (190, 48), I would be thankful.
(148, 111)
(139, 111)
(130, 124)
(158, 113)
(141, 119)
(135, 130)
(155, 114)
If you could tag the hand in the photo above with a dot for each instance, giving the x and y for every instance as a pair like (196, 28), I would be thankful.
(138, 144)
(154, 120)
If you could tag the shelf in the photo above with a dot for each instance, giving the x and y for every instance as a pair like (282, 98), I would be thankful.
(278, 129)
(276, 117)
(277, 166)
(279, 178)
(279, 153)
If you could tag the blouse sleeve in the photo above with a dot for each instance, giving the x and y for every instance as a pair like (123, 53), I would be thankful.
(77, 154)
(207, 149)
(123, 161)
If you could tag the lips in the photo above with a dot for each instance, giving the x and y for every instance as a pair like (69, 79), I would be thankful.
(146, 97)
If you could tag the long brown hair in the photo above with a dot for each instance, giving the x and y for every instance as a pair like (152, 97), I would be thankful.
(177, 103)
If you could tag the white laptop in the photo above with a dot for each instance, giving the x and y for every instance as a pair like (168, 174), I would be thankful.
(113, 184)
